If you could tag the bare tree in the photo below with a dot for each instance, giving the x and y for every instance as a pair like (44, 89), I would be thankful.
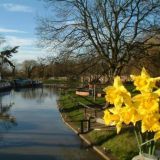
(28, 67)
(40, 70)
(112, 30)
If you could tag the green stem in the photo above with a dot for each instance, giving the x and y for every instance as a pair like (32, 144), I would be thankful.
(150, 148)
(147, 142)
(139, 146)
(153, 149)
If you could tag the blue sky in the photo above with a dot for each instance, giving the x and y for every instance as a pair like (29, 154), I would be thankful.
(17, 26)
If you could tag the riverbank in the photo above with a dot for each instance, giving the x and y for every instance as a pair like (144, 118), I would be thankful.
(87, 141)
(101, 138)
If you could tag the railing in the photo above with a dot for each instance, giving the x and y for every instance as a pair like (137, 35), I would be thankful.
(86, 122)
(87, 107)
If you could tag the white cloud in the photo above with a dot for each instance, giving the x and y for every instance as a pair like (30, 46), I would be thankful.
(16, 41)
(28, 54)
(27, 48)
(6, 30)
(21, 56)
(17, 7)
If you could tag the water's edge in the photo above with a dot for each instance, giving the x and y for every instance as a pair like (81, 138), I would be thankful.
(96, 149)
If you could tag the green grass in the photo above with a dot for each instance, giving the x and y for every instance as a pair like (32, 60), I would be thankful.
(69, 101)
(70, 108)
(99, 137)
(68, 82)
(54, 81)
(123, 146)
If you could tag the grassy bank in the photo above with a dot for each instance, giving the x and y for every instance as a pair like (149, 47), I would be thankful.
(122, 146)
(54, 81)
(71, 109)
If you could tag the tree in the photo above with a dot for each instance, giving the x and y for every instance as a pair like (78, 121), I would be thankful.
(41, 67)
(5, 56)
(28, 67)
(113, 31)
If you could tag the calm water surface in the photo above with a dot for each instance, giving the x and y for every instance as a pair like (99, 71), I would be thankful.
(31, 129)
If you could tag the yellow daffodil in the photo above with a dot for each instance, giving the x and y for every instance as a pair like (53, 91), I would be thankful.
(150, 123)
(110, 119)
(157, 136)
(144, 83)
(119, 126)
(146, 103)
(129, 114)
(143, 108)
(157, 92)
(126, 115)
(117, 94)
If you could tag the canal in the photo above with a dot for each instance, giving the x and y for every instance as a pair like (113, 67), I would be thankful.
(31, 128)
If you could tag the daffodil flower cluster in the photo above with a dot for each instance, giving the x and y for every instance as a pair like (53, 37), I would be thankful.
(143, 107)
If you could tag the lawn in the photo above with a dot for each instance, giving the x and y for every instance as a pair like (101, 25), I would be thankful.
(123, 146)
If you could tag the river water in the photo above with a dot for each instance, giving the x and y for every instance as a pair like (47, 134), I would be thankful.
(31, 128)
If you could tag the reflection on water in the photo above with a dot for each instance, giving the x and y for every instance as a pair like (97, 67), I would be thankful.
(6, 119)
(37, 132)
(34, 93)
(38, 94)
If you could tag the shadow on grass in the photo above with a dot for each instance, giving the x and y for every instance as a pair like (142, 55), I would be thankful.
(78, 114)
(88, 100)
(103, 138)
(100, 138)
(71, 109)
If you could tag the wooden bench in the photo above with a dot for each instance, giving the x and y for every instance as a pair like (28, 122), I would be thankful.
(87, 107)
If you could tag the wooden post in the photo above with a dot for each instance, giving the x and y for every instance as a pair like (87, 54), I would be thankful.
(88, 124)
(85, 112)
(94, 92)
(95, 113)
(82, 127)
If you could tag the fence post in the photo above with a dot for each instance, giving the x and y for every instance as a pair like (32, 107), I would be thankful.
(95, 113)
(88, 124)
(82, 127)
(85, 112)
